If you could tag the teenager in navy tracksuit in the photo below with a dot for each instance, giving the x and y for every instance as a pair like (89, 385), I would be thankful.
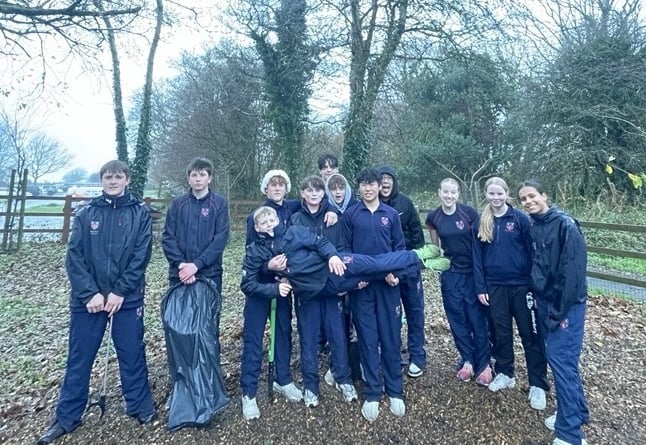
(107, 255)
(371, 227)
(412, 291)
(501, 265)
(196, 229)
(307, 255)
(314, 313)
(452, 224)
(558, 280)
(275, 185)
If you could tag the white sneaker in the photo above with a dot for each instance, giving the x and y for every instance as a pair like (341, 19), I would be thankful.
(370, 411)
(501, 382)
(558, 441)
(290, 391)
(348, 390)
(397, 407)
(550, 421)
(311, 399)
(537, 398)
(329, 378)
(414, 370)
(250, 408)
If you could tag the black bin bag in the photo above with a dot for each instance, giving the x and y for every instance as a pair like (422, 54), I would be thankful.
(189, 315)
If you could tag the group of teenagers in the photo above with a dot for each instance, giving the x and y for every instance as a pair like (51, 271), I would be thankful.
(350, 268)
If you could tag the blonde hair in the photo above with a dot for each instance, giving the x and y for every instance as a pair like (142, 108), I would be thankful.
(264, 211)
(485, 228)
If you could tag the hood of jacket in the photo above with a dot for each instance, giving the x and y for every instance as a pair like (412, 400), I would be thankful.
(346, 199)
(388, 170)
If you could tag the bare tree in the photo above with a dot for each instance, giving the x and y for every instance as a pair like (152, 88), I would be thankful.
(44, 155)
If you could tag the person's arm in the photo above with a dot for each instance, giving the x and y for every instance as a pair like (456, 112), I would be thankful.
(413, 227)
(83, 284)
(132, 276)
(432, 230)
(572, 268)
(214, 250)
(170, 245)
(251, 270)
(398, 242)
(477, 252)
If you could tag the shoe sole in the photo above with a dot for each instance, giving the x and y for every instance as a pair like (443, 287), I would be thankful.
(251, 417)
(510, 386)
(367, 418)
(540, 407)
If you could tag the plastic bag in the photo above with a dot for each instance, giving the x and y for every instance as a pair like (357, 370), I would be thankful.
(189, 315)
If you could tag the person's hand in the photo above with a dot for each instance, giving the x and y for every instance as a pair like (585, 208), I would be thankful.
(362, 284)
(336, 265)
(484, 299)
(392, 280)
(190, 280)
(279, 262)
(96, 304)
(284, 289)
(113, 304)
(331, 218)
(186, 272)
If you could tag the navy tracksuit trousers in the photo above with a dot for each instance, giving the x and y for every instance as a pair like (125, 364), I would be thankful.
(563, 349)
(467, 319)
(412, 296)
(256, 311)
(312, 314)
(85, 337)
(376, 312)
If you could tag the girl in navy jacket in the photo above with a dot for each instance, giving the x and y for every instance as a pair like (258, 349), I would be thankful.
(558, 280)
(501, 265)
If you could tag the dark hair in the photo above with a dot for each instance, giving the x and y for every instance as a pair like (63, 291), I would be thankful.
(368, 175)
(531, 183)
(313, 181)
(328, 158)
(115, 166)
(198, 164)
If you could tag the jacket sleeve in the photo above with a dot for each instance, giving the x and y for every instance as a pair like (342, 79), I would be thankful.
(133, 275)
(213, 252)
(397, 234)
(251, 271)
(170, 245)
(572, 269)
(412, 227)
(478, 267)
(82, 281)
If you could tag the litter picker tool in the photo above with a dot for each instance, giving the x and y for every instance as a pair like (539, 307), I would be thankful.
(100, 401)
(271, 350)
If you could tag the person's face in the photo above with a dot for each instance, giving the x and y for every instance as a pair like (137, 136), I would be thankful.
(276, 189)
(369, 191)
(387, 182)
(312, 196)
(496, 196)
(533, 201)
(449, 194)
(328, 171)
(266, 224)
(338, 194)
(114, 184)
(199, 180)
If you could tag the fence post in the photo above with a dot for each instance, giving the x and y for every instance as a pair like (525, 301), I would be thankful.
(67, 217)
(8, 214)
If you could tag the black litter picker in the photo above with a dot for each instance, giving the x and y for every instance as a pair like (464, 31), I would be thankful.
(271, 349)
(100, 400)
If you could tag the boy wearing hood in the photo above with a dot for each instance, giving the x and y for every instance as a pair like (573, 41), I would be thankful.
(411, 289)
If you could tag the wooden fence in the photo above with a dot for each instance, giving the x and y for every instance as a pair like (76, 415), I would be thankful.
(14, 226)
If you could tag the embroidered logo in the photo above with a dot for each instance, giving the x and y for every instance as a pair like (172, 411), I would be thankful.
(509, 227)
(347, 259)
(385, 221)
(459, 225)
(398, 311)
(140, 311)
(565, 323)
(94, 227)
(205, 212)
